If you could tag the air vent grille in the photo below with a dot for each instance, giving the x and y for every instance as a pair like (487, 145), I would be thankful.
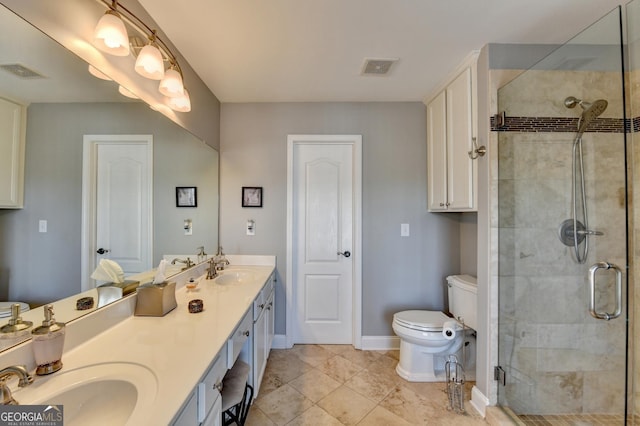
(21, 71)
(377, 66)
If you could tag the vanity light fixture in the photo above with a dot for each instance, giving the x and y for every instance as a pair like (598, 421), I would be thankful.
(110, 36)
(150, 63)
(171, 85)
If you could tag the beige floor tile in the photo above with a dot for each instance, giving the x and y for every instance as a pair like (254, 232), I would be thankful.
(312, 354)
(283, 404)
(382, 417)
(412, 407)
(337, 349)
(340, 368)
(371, 385)
(360, 357)
(315, 416)
(315, 385)
(257, 418)
(281, 370)
(346, 405)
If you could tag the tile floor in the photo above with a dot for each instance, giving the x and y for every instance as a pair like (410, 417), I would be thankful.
(338, 385)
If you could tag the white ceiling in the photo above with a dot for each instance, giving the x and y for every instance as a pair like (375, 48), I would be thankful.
(313, 50)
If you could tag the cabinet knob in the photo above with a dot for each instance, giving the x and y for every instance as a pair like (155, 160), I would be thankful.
(246, 333)
(448, 204)
(261, 306)
(441, 204)
(218, 386)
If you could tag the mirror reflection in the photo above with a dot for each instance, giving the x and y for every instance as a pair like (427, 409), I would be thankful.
(41, 244)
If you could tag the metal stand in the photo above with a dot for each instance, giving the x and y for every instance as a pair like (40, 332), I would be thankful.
(455, 378)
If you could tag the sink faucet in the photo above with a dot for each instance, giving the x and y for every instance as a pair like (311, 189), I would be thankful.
(25, 379)
(220, 260)
(187, 262)
(211, 270)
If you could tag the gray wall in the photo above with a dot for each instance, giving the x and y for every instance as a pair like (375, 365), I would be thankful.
(398, 272)
(40, 267)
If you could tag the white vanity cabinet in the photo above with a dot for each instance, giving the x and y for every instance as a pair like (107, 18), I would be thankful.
(263, 332)
(451, 129)
(204, 404)
(13, 118)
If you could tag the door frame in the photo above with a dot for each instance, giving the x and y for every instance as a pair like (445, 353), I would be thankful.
(90, 145)
(356, 142)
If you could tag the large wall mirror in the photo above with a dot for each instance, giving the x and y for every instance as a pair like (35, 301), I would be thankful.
(66, 104)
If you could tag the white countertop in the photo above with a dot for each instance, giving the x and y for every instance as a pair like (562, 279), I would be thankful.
(178, 347)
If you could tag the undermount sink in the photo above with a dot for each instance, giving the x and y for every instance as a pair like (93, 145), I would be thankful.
(237, 276)
(98, 394)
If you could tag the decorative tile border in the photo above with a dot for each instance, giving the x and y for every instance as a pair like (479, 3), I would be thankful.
(564, 124)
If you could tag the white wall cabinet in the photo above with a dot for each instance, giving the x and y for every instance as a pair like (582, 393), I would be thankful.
(12, 145)
(451, 129)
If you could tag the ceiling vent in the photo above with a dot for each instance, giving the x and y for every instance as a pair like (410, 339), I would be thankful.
(378, 66)
(21, 71)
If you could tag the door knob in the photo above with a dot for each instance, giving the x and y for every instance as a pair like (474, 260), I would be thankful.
(102, 251)
(346, 253)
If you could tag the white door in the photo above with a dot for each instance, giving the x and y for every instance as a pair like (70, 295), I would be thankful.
(119, 225)
(323, 239)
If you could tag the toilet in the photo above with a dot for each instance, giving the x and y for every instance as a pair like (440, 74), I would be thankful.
(427, 338)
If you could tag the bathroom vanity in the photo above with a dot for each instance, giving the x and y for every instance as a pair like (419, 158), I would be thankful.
(170, 367)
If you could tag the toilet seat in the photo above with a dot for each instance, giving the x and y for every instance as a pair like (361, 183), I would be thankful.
(421, 320)
(5, 308)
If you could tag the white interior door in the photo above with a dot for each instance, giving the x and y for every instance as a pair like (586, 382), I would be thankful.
(323, 243)
(119, 225)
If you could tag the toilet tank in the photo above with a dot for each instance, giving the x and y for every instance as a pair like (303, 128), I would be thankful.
(463, 299)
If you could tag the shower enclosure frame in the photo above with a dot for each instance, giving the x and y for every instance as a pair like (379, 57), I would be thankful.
(535, 350)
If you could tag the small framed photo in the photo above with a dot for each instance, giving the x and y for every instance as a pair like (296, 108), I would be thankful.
(251, 196)
(186, 196)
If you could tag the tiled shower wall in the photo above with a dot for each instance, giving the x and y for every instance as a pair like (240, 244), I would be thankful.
(557, 357)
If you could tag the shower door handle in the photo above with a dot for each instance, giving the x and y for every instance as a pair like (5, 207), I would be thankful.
(592, 291)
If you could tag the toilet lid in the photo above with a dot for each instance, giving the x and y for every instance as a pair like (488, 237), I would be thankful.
(421, 320)
(5, 308)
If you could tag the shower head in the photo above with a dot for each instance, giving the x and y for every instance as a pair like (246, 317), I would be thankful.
(591, 112)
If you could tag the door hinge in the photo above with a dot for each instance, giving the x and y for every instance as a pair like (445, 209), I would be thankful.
(500, 375)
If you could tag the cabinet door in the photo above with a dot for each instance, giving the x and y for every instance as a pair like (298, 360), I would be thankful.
(214, 418)
(189, 414)
(461, 169)
(12, 133)
(259, 350)
(271, 319)
(437, 153)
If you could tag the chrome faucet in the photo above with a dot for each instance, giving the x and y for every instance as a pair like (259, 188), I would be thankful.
(187, 262)
(25, 379)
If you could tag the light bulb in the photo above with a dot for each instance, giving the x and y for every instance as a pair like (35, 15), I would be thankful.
(171, 85)
(150, 63)
(110, 35)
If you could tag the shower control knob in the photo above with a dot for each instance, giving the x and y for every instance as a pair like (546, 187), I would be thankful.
(102, 251)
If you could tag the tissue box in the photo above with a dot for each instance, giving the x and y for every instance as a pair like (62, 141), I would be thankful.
(128, 286)
(156, 300)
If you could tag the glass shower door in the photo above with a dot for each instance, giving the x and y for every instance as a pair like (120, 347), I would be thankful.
(562, 219)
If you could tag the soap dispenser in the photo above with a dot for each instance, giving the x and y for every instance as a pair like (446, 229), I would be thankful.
(16, 326)
(48, 342)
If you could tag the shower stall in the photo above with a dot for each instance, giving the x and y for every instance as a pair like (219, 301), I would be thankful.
(565, 231)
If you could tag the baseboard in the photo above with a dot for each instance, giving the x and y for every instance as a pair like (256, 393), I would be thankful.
(380, 343)
(279, 342)
(369, 343)
(479, 401)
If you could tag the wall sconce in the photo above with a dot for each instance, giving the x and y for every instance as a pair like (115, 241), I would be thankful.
(110, 36)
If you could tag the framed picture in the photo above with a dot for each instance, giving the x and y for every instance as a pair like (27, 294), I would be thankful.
(251, 196)
(186, 196)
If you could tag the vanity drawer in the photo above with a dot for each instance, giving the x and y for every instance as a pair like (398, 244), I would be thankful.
(260, 303)
(211, 385)
(238, 338)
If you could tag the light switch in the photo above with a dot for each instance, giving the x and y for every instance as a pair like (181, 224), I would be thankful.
(42, 225)
(188, 227)
(251, 227)
(404, 229)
